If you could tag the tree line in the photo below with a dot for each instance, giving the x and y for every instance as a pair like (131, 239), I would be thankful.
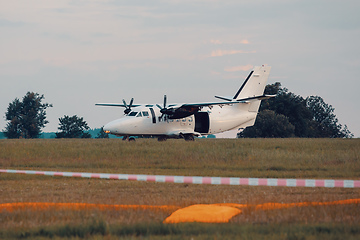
(290, 115)
(286, 115)
(27, 117)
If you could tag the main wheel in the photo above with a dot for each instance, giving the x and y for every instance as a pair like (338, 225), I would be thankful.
(131, 139)
(162, 139)
(189, 138)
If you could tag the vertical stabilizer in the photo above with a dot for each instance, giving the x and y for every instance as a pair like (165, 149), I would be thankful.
(254, 84)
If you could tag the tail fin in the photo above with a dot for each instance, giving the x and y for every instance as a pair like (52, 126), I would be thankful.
(253, 88)
(254, 84)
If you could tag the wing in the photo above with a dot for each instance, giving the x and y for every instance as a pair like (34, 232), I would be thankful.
(175, 111)
(188, 109)
(115, 105)
(229, 101)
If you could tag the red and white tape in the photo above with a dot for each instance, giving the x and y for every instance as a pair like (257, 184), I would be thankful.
(203, 180)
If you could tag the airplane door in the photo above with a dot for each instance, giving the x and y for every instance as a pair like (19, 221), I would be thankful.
(202, 122)
(153, 115)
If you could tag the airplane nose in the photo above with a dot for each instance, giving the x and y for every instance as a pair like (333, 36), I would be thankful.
(108, 128)
(122, 126)
(115, 127)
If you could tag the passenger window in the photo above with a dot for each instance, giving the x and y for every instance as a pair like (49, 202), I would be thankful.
(132, 114)
(145, 114)
(190, 119)
(139, 115)
(183, 120)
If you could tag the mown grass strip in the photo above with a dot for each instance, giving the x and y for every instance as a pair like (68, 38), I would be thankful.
(200, 231)
(258, 158)
(78, 206)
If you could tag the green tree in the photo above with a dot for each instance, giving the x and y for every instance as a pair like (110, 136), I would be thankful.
(268, 124)
(290, 105)
(72, 127)
(102, 134)
(325, 122)
(26, 118)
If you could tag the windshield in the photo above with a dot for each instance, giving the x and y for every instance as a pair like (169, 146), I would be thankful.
(132, 114)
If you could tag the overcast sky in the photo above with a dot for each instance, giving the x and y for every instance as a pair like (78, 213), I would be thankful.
(78, 53)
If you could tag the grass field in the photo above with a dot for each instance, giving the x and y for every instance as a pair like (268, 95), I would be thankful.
(275, 158)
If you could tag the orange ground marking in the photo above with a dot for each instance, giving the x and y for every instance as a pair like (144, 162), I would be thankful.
(270, 206)
(207, 213)
(223, 212)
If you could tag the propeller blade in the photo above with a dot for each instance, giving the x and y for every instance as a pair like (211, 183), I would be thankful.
(128, 107)
(124, 103)
(163, 109)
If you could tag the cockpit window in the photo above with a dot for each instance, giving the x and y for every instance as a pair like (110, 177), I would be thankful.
(139, 115)
(132, 114)
(145, 114)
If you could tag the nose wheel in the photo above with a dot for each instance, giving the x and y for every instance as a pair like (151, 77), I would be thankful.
(130, 139)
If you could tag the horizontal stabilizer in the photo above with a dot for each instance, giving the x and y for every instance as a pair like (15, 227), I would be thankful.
(262, 97)
(224, 98)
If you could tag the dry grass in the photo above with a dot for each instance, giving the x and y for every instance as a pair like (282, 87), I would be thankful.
(293, 158)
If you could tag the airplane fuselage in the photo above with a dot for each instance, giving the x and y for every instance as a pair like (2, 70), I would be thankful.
(144, 121)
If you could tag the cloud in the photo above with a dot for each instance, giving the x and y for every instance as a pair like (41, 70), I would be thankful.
(216, 42)
(215, 73)
(8, 23)
(220, 53)
(238, 68)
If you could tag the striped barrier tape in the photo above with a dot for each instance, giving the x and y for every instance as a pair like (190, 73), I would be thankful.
(202, 180)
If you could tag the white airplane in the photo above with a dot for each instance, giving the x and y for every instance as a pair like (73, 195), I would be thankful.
(187, 120)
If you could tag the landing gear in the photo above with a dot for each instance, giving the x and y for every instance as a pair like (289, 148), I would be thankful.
(189, 138)
(130, 139)
(162, 138)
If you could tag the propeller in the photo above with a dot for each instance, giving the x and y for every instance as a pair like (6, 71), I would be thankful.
(164, 110)
(128, 107)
